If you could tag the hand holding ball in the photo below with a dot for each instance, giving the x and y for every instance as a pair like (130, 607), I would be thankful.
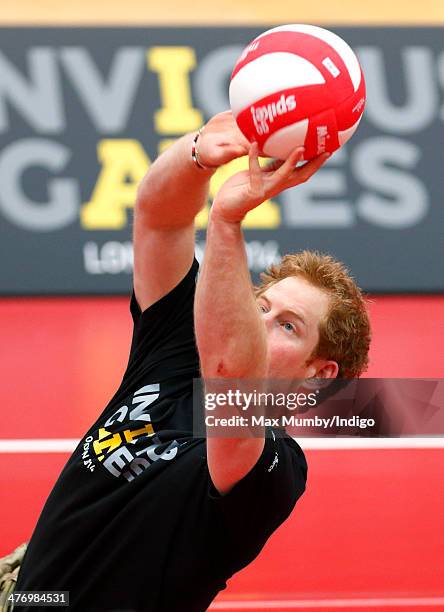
(297, 85)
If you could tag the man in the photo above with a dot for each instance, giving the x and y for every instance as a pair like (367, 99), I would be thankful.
(145, 517)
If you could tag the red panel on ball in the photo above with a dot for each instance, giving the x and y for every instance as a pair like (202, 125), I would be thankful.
(349, 111)
(259, 121)
(322, 135)
(307, 46)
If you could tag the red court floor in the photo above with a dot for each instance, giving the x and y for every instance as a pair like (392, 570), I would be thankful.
(367, 535)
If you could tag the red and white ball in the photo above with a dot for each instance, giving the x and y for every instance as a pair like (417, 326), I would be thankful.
(297, 85)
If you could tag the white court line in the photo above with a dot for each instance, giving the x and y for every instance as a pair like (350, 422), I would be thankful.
(53, 445)
(363, 443)
(67, 445)
(329, 604)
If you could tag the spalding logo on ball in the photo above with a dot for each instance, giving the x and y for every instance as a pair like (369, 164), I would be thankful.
(297, 85)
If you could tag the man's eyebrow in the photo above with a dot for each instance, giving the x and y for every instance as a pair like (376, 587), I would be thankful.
(287, 311)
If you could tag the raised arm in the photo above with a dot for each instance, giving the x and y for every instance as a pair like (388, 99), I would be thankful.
(230, 332)
(169, 197)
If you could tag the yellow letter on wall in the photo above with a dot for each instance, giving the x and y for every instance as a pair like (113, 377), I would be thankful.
(173, 65)
(124, 163)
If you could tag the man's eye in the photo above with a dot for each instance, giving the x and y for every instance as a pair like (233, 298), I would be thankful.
(262, 308)
(289, 327)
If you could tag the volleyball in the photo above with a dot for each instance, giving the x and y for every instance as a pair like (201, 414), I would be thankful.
(297, 85)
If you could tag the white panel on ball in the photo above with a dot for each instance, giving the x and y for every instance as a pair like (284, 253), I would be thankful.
(340, 46)
(251, 84)
(347, 134)
(281, 143)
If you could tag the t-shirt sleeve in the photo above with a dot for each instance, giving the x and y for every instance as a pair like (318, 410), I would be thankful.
(163, 341)
(264, 498)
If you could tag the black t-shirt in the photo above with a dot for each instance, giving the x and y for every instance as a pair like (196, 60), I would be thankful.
(134, 522)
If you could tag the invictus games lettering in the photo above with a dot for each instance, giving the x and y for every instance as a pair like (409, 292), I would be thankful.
(83, 115)
(113, 444)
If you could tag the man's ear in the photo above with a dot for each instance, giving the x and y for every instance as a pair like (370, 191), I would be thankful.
(323, 369)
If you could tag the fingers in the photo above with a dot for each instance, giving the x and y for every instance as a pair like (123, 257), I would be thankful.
(242, 149)
(312, 166)
(278, 180)
(256, 180)
(288, 175)
(253, 154)
(303, 174)
(241, 139)
(295, 156)
(273, 165)
(287, 168)
(279, 175)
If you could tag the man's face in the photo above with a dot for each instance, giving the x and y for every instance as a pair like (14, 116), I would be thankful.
(292, 310)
